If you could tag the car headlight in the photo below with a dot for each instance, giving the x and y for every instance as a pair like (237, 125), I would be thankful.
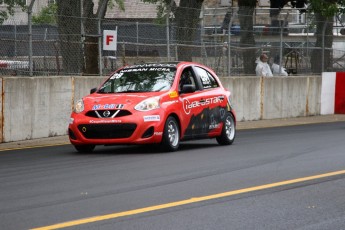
(148, 104)
(79, 106)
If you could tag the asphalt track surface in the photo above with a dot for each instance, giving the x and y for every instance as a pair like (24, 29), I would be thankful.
(278, 174)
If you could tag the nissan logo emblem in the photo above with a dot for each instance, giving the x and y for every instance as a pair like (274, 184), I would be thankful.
(106, 113)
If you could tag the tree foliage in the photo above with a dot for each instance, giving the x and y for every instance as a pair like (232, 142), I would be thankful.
(163, 6)
(47, 15)
(327, 8)
(186, 19)
(80, 51)
(325, 12)
(10, 6)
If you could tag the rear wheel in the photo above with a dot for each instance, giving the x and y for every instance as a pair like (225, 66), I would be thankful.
(171, 135)
(228, 134)
(84, 148)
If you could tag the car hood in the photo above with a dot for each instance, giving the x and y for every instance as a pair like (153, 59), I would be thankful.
(112, 101)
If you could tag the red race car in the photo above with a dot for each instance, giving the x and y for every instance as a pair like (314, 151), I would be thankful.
(162, 103)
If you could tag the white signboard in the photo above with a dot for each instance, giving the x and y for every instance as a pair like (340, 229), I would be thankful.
(110, 40)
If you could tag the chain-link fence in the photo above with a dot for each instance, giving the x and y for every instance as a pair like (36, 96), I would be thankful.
(58, 51)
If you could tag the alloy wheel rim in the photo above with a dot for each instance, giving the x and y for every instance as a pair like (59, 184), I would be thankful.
(173, 133)
(230, 128)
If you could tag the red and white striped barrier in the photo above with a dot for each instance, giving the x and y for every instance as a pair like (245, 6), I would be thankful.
(333, 93)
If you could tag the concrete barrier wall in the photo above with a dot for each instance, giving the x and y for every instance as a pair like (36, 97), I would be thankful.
(36, 107)
(246, 96)
(277, 97)
(83, 85)
(289, 97)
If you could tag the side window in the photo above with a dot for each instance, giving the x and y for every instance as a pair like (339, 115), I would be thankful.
(213, 80)
(186, 78)
(206, 78)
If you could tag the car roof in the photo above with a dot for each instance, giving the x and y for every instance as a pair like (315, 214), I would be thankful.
(161, 64)
(172, 64)
(155, 64)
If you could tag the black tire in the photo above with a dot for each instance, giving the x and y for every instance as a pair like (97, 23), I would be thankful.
(84, 148)
(228, 134)
(171, 135)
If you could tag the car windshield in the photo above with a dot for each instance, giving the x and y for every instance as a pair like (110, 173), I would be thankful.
(139, 79)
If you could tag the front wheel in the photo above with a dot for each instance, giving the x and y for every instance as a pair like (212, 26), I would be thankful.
(171, 135)
(228, 134)
(84, 148)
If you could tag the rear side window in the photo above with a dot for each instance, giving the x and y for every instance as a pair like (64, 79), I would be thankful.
(207, 80)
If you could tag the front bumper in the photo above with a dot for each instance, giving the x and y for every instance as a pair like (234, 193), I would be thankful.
(134, 129)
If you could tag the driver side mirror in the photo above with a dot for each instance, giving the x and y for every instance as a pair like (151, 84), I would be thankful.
(93, 90)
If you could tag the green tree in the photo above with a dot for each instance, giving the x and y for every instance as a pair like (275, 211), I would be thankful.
(69, 28)
(187, 21)
(247, 40)
(79, 54)
(10, 5)
(186, 18)
(324, 11)
(46, 16)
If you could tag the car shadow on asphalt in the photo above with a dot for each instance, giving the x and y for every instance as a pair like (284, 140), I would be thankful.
(146, 149)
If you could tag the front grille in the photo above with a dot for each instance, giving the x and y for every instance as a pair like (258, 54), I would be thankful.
(107, 131)
(108, 113)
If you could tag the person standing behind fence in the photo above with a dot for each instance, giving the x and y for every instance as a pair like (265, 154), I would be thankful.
(262, 68)
(277, 69)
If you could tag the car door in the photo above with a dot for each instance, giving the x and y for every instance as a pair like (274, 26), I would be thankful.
(211, 99)
(193, 119)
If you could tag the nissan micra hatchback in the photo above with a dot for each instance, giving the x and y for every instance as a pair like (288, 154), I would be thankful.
(161, 103)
